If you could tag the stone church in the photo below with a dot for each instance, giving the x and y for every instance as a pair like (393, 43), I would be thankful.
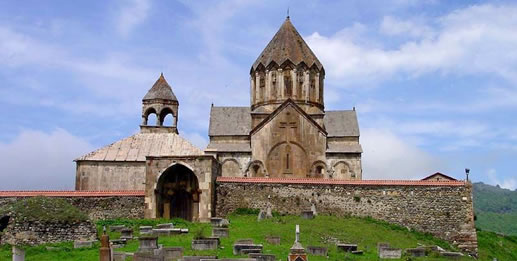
(285, 133)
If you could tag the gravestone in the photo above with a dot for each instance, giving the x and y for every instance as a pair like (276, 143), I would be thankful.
(197, 258)
(220, 232)
(117, 228)
(120, 256)
(317, 251)
(308, 214)
(118, 243)
(273, 240)
(313, 209)
(172, 253)
(18, 254)
(166, 225)
(390, 253)
(148, 244)
(238, 248)
(382, 245)
(262, 257)
(126, 233)
(83, 244)
(147, 257)
(246, 251)
(146, 230)
(261, 215)
(269, 212)
(219, 222)
(166, 231)
(297, 252)
(205, 244)
(416, 252)
(347, 247)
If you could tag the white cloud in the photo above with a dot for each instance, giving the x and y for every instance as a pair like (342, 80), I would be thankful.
(133, 13)
(393, 26)
(387, 156)
(477, 39)
(38, 160)
(507, 183)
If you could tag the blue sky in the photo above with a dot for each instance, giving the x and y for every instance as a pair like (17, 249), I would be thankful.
(434, 82)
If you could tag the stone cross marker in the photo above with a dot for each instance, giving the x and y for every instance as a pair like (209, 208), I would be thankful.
(297, 233)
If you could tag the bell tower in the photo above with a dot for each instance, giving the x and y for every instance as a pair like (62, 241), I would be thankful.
(160, 102)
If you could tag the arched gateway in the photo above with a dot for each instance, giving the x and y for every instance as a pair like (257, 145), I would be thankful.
(177, 193)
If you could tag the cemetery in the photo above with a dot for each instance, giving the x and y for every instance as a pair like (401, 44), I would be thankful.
(246, 234)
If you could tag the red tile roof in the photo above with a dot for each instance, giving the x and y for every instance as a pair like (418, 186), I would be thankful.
(72, 193)
(341, 182)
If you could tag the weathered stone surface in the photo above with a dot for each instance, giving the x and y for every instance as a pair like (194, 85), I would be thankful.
(126, 233)
(307, 214)
(118, 243)
(117, 228)
(205, 244)
(147, 257)
(262, 257)
(220, 232)
(273, 240)
(416, 252)
(148, 244)
(347, 247)
(446, 216)
(238, 248)
(83, 244)
(317, 251)
(382, 245)
(357, 252)
(219, 222)
(146, 230)
(197, 258)
(251, 250)
(121, 256)
(172, 253)
(165, 231)
(166, 225)
(390, 253)
(18, 254)
(39, 232)
(451, 254)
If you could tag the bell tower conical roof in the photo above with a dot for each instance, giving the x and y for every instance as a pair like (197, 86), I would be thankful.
(161, 90)
(287, 44)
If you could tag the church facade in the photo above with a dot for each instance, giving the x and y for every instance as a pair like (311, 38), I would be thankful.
(284, 133)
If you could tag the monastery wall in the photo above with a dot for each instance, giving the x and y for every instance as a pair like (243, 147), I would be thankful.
(443, 209)
(97, 205)
(110, 175)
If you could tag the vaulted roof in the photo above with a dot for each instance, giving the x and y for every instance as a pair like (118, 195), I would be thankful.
(160, 90)
(138, 146)
(287, 44)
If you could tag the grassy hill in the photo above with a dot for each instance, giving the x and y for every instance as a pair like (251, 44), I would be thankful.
(496, 209)
(321, 231)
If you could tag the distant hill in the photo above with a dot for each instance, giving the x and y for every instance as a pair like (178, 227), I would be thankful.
(495, 208)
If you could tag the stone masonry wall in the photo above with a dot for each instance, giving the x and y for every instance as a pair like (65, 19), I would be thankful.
(101, 207)
(35, 233)
(444, 211)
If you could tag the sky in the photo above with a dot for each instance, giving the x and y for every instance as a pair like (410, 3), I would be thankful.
(434, 83)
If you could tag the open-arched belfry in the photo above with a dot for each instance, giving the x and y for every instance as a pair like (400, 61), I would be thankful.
(284, 133)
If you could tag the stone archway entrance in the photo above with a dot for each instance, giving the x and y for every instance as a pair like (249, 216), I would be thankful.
(177, 194)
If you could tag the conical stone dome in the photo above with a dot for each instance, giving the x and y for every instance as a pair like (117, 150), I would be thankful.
(287, 44)
(161, 90)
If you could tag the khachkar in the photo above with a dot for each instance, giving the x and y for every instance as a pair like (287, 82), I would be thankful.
(297, 252)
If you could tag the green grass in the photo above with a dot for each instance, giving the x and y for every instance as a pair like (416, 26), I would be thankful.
(44, 209)
(320, 231)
